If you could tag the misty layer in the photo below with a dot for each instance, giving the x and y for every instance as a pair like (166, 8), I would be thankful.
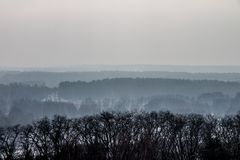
(22, 103)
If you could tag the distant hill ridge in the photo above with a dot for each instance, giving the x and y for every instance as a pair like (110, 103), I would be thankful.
(52, 79)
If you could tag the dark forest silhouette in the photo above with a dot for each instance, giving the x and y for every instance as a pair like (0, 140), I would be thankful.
(124, 136)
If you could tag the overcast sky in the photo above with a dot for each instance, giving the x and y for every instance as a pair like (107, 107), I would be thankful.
(41, 33)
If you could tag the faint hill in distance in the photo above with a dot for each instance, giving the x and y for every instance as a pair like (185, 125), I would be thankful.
(137, 67)
(52, 76)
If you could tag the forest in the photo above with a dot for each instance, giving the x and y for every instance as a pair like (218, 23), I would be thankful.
(22, 103)
(124, 136)
(121, 119)
(119, 79)
(52, 78)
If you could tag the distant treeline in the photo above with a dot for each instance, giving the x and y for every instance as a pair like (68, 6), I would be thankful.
(119, 87)
(24, 111)
(124, 136)
(52, 79)
(24, 103)
(144, 87)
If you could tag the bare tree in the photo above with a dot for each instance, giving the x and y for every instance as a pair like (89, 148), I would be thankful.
(8, 142)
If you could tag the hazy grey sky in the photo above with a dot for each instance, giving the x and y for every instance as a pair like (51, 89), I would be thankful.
(38, 33)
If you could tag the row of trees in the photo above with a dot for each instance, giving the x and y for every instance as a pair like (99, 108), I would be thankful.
(124, 136)
(141, 87)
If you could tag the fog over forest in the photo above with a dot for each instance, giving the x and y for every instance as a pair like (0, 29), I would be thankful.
(119, 115)
(119, 80)
(30, 95)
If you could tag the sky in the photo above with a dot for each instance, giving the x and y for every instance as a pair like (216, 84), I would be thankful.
(46, 33)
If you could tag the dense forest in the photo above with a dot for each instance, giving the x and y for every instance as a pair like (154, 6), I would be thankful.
(144, 87)
(121, 119)
(23, 103)
(124, 136)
